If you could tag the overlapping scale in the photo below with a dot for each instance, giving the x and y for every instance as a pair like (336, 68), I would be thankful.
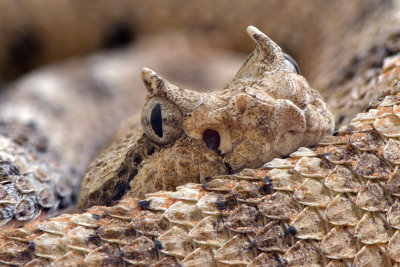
(336, 204)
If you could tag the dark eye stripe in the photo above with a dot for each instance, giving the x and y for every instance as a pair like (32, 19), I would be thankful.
(156, 120)
(291, 60)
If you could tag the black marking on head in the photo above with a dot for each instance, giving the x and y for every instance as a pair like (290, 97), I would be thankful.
(123, 171)
(292, 230)
(291, 60)
(229, 167)
(144, 204)
(212, 139)
(119, 35)
(133, 174)
(137, 159)
(150, 151)
(118, 192)
(158, 244)
(120, 189)
(156, 120)
(23, 51)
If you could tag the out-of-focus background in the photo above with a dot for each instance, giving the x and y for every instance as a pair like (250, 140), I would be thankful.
(37, 32)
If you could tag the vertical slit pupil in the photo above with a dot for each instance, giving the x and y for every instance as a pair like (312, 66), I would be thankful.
(212, 139)
(156, 120)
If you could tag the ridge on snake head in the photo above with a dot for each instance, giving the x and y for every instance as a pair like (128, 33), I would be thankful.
(268, 110)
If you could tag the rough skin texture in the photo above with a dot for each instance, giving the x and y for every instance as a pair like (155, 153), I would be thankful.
(266, 111)
(27, 173)
(335, 204)
(357, 85)
(65, 114)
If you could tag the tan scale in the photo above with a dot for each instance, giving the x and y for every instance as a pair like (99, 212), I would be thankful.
(365, 235)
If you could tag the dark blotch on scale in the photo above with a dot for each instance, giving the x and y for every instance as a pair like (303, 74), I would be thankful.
(156, 120)
(292, 230)
(96, 216)
(268, 183)
(31, 246)
(94, 239)
(212, 139)
(158, 244)
(144, 204)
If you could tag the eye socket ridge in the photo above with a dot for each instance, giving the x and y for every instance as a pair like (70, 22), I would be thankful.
(292, 62)
(161, 120)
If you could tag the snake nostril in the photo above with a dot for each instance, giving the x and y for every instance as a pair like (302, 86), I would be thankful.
(212, 139)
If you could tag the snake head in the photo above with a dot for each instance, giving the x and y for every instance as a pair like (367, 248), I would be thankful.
(268, 110)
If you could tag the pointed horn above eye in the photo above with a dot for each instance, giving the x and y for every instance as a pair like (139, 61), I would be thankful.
(153, 82)
(265, 45)
(156, 85)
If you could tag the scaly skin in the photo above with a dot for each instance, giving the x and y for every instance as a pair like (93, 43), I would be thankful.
(267, 110)
(97, 79)
(335, 204)
(60, 112)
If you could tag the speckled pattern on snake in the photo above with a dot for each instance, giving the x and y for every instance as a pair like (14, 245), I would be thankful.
(212, 178)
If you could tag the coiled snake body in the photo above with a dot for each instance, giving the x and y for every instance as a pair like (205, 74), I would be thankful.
(334, 204)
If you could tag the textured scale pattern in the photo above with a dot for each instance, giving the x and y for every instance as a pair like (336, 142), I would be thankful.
(30, 176)
(268, 110)
(336, 204)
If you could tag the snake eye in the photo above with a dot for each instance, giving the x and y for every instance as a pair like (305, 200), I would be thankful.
(161, 120)
(291, 63)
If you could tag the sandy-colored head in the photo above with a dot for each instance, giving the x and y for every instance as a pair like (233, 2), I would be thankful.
(267, 110)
